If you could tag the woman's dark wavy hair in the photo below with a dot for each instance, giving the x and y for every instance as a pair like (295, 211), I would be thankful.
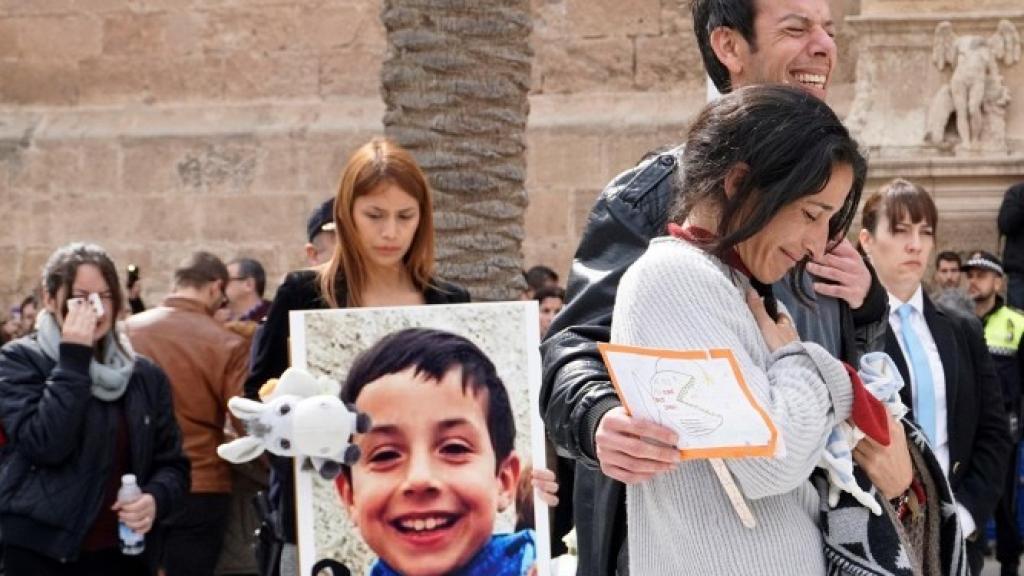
(789, 141)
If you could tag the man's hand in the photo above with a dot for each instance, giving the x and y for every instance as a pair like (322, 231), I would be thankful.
(139, 514)
(844, 266)
(888, 467)
(633, 451)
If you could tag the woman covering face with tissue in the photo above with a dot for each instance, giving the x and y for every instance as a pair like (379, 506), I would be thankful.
(80, 410)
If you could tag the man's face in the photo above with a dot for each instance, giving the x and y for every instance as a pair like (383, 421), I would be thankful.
(213, 295)
(549, 308)
(794, 44)
(425, 493)
(947, 274)
(321, 248)
(982, 284)
(238, 287)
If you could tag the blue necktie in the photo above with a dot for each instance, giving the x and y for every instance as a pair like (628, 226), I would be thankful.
(924, 395)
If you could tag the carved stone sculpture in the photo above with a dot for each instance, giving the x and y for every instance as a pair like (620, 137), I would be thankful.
(975, 93)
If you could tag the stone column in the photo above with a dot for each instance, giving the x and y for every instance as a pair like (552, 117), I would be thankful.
(455, 82)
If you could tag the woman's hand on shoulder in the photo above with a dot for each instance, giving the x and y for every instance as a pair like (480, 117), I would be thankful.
(80, 324)
(631, 450)
(777, 333)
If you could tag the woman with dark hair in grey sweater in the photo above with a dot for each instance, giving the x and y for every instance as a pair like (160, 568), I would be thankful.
(770, 178)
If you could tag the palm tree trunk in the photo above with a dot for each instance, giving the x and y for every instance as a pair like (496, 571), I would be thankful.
(455, 82)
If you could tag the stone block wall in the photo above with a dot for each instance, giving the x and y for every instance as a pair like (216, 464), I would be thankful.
(106, 52)
(157, 127)
(612, 80)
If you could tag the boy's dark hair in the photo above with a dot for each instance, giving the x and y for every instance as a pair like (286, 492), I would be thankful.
(249, 268)
(711, 14)
(434, 353)
(948, 256)
(200, 269)
(789, 141)
(549, 292)
(539, 276)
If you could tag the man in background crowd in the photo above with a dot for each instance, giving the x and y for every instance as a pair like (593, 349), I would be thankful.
(246, 308)
(551, 299)
(320, 231)
(206, 366)
(247, 282)
(947, 290)
(1003, 330)
(947, 270)
(536, 278)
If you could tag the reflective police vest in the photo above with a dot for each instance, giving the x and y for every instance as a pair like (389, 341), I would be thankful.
(1003, 331)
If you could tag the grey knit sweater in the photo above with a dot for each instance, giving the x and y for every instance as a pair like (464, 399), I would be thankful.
(681, 522)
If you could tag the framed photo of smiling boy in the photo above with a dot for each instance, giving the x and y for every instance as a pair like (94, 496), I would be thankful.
(442, 483)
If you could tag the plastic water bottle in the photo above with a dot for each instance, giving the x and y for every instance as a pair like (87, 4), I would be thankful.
(132, 543)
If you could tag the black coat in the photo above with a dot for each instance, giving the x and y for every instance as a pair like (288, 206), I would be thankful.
(61, 445)
(1011, 225)
(301, 291)
(576, 391)
(979, 441)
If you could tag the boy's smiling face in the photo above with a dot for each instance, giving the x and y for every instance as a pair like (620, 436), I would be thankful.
(425, 492)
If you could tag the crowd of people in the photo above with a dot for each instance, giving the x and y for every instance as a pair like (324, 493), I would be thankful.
(736, 237)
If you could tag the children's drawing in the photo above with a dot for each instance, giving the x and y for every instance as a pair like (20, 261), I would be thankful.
(701, 394)
(676, 406)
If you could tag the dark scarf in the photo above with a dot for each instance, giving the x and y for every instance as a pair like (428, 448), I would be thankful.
(504, 555)
(858, 543)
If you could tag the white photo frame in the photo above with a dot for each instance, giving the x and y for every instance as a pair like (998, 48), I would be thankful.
(325, 342)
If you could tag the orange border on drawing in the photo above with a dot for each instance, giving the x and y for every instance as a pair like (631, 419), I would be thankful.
(766, 450)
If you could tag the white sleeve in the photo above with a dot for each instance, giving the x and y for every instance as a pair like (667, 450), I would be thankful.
(666, 301)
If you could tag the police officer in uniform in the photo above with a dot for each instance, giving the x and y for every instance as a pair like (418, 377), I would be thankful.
(1004, 328)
